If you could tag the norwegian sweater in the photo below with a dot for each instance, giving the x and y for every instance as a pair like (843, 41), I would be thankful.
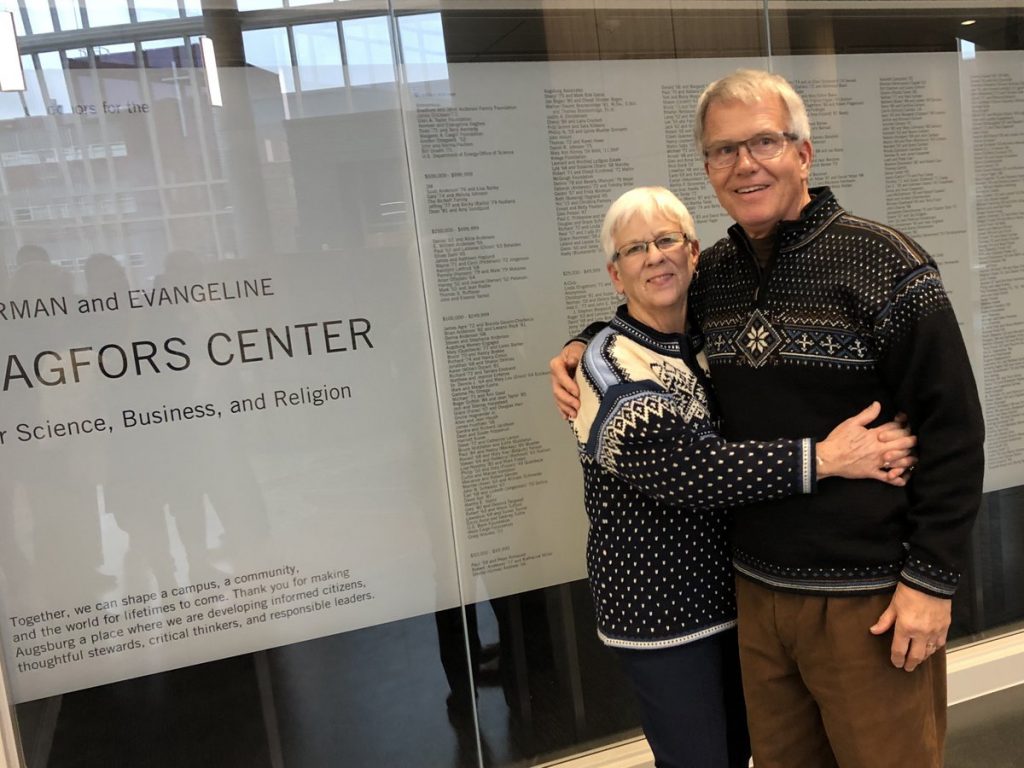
(658, 481)
(848, 311)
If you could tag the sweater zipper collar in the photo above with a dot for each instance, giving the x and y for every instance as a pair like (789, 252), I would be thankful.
(784, 231)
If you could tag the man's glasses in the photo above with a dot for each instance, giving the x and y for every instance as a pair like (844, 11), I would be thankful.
(666, 243)
(764, 146)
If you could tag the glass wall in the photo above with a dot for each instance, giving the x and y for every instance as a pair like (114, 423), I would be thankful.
(283, 482)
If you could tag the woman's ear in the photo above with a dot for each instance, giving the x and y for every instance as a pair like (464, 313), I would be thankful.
(613, 272)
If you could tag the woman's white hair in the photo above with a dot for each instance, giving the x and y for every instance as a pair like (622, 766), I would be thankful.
(647, 202)
(748, 86)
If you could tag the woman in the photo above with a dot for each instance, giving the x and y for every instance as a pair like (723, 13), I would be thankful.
(658, 483)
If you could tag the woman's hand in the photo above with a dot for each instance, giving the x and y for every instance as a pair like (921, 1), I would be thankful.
(853, 451)
(563, 386)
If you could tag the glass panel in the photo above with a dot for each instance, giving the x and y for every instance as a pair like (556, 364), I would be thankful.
(122, 55)
(125, 189)
(33, 89)
(158, 218)
(39, 16)
(155, 10)
(863, 112)
(423, 51)
(69, 14)
(164, 54)
(368, 49)
(318, 53)
(57, 97)
(104, 12)
(258, 5)
(268, 49)
(11, 105)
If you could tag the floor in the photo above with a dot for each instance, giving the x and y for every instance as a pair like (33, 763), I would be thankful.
(378, 697)
(987, 732)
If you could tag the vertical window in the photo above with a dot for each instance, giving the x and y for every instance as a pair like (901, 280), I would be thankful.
(153, 10)
(10, 103)
(57, 97)
(258, 5)
(103, 13)
(121, 55)
(368, 47)
(318, 55)
(163, 54)
(39, 16)
(33, 91)
(69, 14)
(268, 49)
(423, 52)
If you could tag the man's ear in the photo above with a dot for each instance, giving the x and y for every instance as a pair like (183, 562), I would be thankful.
(806, 153)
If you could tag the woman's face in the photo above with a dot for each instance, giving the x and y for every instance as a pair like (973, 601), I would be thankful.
(654, 282)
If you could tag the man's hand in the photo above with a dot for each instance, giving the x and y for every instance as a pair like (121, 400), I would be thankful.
(921, 621)
(563, 386)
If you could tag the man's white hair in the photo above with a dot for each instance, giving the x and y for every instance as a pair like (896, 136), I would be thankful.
(750, 86)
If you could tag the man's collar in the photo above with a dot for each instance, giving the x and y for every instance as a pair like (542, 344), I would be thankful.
(813, 218)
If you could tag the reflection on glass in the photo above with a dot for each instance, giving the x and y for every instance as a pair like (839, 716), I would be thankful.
(122, 55)
(258, 5)
(39, 18)
(193, 8)
(423, 51)
(12, 6)
(164, 54)
(103, 13)
(318, 54)
(368, 46)
(154, 10)
(69, 14)
(33, 95)
(57, 97)
(11, 105)
(268, 49)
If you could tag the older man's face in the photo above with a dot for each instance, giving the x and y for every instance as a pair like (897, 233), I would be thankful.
(757, 193)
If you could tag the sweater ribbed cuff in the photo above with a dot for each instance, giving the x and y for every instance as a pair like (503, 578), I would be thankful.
(929, 578)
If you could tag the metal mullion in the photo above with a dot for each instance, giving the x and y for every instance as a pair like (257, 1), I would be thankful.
(25, 22)
(133, 16)
(54, 18)
(84, 12)
(345, 79)
(294, 56)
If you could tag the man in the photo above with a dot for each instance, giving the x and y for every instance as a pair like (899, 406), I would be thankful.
(808, 313)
